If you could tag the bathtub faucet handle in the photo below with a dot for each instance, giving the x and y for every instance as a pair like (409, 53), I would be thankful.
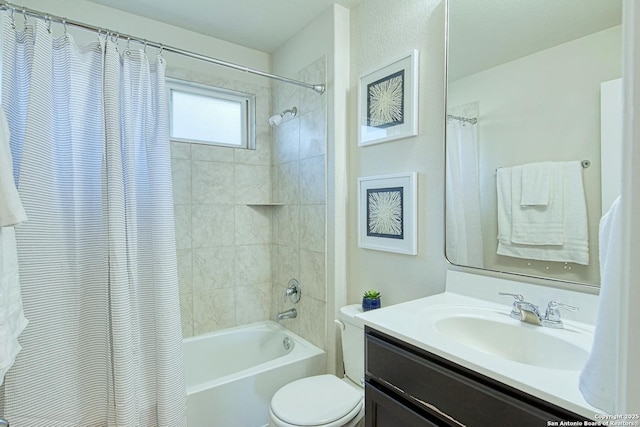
(293, 291)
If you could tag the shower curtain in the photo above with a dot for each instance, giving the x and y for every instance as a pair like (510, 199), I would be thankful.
(97, 257)
(464, 222)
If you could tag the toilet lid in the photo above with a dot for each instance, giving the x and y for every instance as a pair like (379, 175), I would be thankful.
(314, 400)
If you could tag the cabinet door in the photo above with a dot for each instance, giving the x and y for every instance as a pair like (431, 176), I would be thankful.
(382, 410)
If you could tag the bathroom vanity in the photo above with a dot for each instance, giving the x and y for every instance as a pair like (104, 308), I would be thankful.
(453, 359)
(407, 386)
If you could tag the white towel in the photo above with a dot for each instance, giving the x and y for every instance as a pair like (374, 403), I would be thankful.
(12, 320)
(538, 224)
(537, 179)
(597, 380)
(576, 238)
(11, 210)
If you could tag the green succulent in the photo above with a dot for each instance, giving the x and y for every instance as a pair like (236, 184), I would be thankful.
(371, 295)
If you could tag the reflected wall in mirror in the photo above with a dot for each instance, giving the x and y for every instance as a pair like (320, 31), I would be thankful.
(523, 109)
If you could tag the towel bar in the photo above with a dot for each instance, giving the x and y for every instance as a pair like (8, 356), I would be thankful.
(585, 164)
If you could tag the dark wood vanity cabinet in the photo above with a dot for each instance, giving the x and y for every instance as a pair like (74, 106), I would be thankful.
(408, 386)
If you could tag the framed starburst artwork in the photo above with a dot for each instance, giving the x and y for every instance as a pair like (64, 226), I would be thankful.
(388, 101)
(387, 211)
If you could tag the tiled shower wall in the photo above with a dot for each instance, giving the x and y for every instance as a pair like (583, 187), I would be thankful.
(235, 258)
(223, 245)
(299, 181)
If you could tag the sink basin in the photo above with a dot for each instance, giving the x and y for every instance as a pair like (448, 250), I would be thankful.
(503, 337)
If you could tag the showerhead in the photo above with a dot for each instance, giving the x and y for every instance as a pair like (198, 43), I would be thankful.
(283, 117)
(275, 120)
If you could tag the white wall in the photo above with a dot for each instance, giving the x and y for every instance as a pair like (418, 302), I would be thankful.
(542, 107)
(382, 30)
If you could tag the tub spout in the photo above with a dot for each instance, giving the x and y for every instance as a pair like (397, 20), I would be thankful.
(288, 314)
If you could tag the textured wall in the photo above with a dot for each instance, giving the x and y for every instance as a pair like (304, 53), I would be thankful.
(235, 257)
(299, 164)
(381, 31)
(223, 243)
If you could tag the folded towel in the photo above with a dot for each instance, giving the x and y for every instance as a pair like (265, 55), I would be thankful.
(538, 224)
(575, 229)
(12, 320)
(503, 188)
(597, 380)
(11, 210)
(536, 184)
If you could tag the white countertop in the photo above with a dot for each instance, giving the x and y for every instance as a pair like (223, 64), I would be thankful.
(410, 323)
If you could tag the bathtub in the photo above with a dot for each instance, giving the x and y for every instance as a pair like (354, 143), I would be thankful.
(231, 375)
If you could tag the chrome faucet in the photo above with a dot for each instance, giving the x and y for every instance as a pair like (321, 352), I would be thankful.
(529, 313)
(292, 313)
(552, 315)
(293, 291)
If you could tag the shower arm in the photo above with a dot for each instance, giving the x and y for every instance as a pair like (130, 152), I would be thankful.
(5, 5)
(293, 111)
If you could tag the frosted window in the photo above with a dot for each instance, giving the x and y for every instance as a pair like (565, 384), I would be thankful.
(209, 115)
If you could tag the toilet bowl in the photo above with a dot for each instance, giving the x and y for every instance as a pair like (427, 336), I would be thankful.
(322, 400)
(326, 400)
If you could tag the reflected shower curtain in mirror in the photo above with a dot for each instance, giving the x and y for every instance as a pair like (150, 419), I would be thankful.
(89, 138)
(464, 226)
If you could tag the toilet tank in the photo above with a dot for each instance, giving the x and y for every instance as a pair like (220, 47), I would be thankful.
(352, 333)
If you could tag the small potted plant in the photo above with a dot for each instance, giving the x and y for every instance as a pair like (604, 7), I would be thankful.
(370, 300)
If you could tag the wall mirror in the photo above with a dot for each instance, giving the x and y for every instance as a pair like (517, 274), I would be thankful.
(533, 90)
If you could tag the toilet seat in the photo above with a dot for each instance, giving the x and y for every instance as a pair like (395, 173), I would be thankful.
(322, 400)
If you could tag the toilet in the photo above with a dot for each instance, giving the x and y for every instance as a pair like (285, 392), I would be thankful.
(326, 400)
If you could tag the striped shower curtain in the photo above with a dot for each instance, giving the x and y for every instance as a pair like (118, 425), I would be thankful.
(97, 257)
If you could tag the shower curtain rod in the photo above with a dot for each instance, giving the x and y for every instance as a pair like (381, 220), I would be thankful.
(7, 6)
(473, 121)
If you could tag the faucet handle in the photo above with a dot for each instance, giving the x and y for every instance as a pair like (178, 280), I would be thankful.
(515, 309)
(552, 315)
(518, 297)
(553, 306)
(293, 291)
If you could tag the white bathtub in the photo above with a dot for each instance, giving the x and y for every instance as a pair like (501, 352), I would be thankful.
(232, 374)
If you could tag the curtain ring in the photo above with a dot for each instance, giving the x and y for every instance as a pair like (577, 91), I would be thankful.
(100, 40)
(24, 15)
(160, 58)
(144, 48)
(47, 19)
(13, 19)
(64, 25)
(115, 37)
